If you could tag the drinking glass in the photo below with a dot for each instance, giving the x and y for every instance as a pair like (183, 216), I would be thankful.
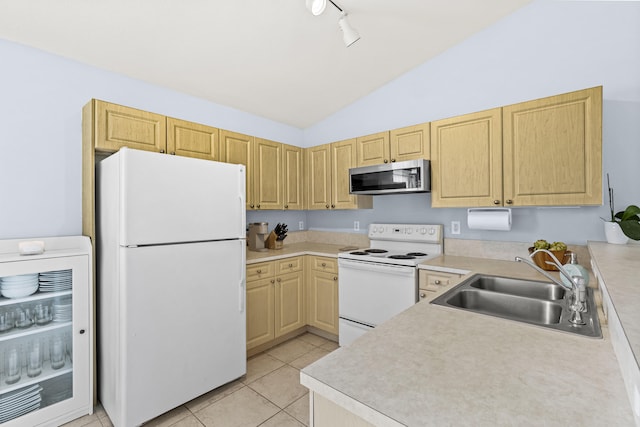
(56, 351)
(35, 355)
(7, 321)
(12, 364)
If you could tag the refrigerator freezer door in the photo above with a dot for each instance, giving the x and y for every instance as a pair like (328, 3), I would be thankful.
(182, 324)
(169, 199)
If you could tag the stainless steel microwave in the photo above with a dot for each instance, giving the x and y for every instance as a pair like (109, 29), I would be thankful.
(412, 176)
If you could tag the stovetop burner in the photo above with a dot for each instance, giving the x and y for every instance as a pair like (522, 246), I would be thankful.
(359, 253)
(376, 251)
(416, 254)
(401, 257)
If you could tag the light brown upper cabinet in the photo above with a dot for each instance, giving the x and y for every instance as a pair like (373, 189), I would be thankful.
(292, 177)
(408, 143)
(372, 149)
(327, 169)
(192, 139)
(117, 126)
(552, 150)
(267, 174)
(546, 152)
(237, 148)
(466, 160)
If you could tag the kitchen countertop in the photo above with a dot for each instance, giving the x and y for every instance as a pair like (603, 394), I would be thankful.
(295, 249)
(433, 365)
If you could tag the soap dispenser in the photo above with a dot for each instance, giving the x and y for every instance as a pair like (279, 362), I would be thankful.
(575, 269)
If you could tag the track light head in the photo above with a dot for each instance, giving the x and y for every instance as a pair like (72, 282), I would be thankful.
(316, 7)
(349, 34)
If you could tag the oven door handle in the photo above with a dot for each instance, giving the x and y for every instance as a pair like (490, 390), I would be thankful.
(382, 268)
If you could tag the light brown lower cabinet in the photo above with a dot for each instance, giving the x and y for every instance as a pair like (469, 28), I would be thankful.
(286, 295)
(434, 281)
(275, 300)
(322, 288)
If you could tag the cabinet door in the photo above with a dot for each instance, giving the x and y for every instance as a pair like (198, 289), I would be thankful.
(343, 157)
(192, 139)
(292, 177)
(319, 177)
(410, 143)
(49, 353)
(372, 149)
(237, 148)
(553, 150)
(260, 312)
(267, 174)
(466, 160)
(117, 126)
(323, 301)
(289, 303)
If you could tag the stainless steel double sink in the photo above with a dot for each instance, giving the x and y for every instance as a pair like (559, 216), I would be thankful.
(529, 301)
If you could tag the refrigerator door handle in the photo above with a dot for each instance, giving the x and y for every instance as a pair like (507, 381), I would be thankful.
(243, 279)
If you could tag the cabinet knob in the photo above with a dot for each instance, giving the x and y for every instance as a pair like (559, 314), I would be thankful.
(251, 206)
(509, 202)
(324, 264)
(437, 282)
(422, 295)
(386, 161)
(258, 206)
(326, 206)
(173, 153)
(278, 280)
(273, 281)
(393, 160)
(286, 206)
(162, 151)
(333, 206)
(258, 271)
(290, 265)
(81, 331)
(496, 202)
(335, 278)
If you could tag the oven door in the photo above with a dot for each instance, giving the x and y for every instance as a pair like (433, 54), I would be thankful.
(370, 293)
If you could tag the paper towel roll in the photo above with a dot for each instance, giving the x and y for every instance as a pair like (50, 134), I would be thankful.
(489, 219)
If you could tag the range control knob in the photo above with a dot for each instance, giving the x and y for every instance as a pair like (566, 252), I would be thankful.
(423, 230)
(409, 231)
(432, 231)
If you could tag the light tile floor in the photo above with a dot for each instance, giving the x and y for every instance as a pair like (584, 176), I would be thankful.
(269, 395)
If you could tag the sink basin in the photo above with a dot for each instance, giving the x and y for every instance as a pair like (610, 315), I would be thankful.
(528, 301)
(509, 306)
(525, 288)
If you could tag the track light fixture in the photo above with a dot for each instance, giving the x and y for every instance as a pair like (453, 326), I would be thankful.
(349, 34)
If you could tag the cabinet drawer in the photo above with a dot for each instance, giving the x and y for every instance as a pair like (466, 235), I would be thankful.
(289, 265)
(325, 264)
(261, 270)
(432, 282)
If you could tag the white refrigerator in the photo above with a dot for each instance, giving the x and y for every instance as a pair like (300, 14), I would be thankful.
(171, 281)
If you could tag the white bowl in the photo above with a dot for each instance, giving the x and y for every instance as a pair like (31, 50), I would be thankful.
(19, 293)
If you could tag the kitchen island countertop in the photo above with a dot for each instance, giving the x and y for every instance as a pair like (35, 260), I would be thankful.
(433, 365)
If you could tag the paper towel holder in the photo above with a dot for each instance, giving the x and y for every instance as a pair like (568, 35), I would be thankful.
(498, 219)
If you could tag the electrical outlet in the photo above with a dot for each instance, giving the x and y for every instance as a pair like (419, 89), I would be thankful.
(455, 227)
(356, 225)
(301, 225)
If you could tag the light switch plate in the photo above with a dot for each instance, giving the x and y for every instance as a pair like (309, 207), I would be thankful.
(356, 225)
(301, 225)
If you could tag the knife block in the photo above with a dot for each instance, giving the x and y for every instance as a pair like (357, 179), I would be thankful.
(272, 243)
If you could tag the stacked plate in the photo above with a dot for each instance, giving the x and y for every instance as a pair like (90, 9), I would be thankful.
(62, 310)
(55, 281)
(17, 403)
(18, 286)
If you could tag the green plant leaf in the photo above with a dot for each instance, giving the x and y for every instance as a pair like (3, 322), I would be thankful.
(631, 213)
(631, 229)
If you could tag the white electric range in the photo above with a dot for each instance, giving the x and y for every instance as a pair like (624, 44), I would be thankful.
(378, 282)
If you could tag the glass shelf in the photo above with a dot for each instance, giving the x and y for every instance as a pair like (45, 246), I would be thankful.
(33, 330)
(47, 373)
(33, 297)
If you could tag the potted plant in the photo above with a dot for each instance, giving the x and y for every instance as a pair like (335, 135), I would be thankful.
(623, 225)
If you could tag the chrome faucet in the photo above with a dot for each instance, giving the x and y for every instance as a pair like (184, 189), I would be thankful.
(577, 302)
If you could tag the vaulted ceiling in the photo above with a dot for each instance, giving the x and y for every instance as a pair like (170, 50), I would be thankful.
(269, 58)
